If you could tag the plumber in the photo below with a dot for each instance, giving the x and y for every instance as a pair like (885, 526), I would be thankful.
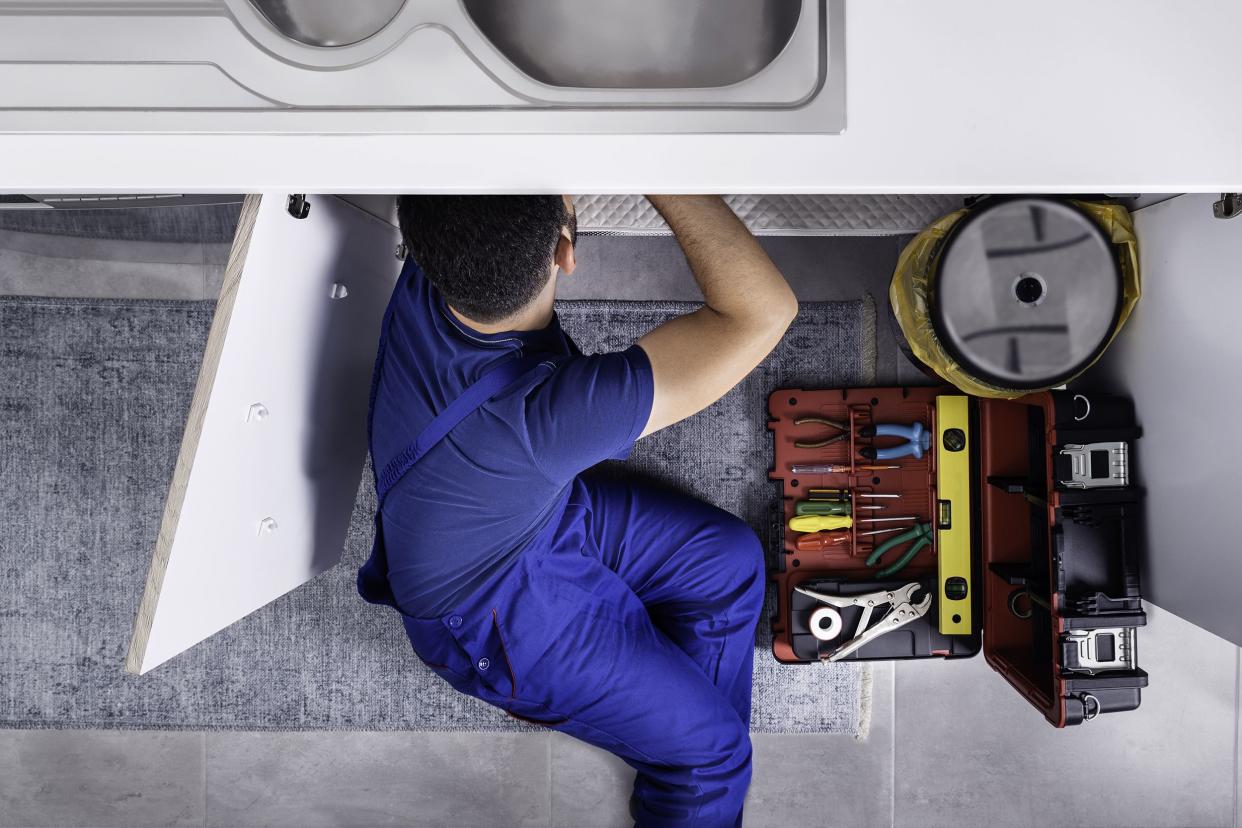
(619, 613)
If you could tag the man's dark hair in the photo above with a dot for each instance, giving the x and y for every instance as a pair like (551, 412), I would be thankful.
(488, 255)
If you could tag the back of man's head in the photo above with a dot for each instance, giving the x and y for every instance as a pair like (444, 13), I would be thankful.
(490, 256)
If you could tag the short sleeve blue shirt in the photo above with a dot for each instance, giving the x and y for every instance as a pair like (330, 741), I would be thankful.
(477, 498)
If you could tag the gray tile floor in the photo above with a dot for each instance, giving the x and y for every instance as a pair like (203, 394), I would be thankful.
(950, 742)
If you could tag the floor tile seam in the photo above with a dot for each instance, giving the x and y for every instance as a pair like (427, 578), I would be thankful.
(203, 736)
(892, 751)
(1237, 737)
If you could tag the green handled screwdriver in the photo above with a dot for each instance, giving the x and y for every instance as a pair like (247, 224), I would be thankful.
(828, 507)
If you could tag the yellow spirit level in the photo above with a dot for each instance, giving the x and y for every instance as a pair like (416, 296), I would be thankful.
(953, 514)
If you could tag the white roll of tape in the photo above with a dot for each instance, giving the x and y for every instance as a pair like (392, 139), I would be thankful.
(825, 624)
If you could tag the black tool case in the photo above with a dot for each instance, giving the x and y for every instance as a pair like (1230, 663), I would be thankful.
(1033, 553)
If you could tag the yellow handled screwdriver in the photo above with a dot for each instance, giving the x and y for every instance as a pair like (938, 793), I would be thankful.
(821, 523)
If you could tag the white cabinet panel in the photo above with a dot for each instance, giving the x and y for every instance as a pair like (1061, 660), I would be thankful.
(275, 442)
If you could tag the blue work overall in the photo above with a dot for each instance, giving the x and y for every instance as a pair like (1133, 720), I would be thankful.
(628, 622)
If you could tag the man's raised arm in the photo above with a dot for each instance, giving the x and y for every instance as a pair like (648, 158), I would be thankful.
(697, 358)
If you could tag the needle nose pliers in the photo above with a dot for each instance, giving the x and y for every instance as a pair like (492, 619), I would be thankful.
(841, 427)
(921, 535)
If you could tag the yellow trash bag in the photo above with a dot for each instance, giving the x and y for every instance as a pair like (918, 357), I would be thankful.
(913, 288)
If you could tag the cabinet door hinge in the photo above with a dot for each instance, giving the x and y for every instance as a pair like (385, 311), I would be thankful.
(1230, 205)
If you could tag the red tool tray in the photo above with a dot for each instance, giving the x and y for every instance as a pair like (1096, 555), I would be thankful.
(1052, 567)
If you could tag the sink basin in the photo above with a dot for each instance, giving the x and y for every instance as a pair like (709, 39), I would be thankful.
(329, 22)
(652, 44)
(423, 66)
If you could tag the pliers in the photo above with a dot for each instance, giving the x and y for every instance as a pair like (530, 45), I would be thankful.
(921, 535)
(901, 611)
(918, 441)
(842, 427)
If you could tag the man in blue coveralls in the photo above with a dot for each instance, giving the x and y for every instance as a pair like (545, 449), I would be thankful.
(617, 613)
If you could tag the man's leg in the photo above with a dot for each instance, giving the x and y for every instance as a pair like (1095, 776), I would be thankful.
(698, 569)
(563, 641)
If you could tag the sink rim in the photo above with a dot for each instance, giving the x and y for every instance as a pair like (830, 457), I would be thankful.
(358, 35)
(303, 89)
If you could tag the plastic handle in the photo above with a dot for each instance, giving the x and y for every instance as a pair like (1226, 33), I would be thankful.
(822, 507)
(819, 523)
(822, 541)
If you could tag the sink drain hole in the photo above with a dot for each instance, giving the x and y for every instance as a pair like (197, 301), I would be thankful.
(1029, 288)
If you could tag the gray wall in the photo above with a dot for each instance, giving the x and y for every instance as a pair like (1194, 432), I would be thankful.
(1180, 358)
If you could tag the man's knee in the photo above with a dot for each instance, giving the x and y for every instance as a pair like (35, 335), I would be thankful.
(741, 554)
(726, 778)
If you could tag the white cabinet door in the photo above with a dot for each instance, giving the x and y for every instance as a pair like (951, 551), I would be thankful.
(1180, 357)
(275, 442)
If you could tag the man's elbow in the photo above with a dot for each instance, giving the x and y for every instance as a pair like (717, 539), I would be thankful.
(764, 318)
(783, 311)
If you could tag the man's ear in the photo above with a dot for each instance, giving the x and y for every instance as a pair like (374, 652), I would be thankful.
(564, 256)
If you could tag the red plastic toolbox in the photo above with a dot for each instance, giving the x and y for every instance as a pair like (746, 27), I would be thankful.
(1052, 590)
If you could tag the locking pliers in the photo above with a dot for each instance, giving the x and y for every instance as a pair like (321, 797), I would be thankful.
(901, 611)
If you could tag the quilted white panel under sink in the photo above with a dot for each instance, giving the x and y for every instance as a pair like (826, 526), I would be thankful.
(779, 215)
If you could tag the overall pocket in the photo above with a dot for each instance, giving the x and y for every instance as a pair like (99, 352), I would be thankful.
(439, 651)
(519, 705)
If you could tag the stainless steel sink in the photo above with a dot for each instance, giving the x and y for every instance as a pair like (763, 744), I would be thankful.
(655, 44)
(408, 66)
(329, 22)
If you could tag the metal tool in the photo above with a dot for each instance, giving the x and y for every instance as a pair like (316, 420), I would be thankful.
(830, 507)
(824, 541)
(834, 468)
(917, 437)
(921, 536)
(901, 611)
(842, 427)
(845, 494)
(820, 523)
(1097, 465)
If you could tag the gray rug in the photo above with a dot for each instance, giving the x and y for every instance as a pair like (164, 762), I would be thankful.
(211, 223)
(93, 394)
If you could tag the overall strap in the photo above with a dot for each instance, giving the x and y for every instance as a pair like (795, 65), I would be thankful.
(483, 389)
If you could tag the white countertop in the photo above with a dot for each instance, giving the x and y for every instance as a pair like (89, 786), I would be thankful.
(1119, 96)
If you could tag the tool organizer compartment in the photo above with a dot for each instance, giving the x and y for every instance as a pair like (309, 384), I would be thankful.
(842, 567)
(1062, 609)
(1027, 550)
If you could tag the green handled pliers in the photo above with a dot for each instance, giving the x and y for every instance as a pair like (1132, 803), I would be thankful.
(921, 535)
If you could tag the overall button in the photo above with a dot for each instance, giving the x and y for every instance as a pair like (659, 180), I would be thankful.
(484, 664)
(454, 621)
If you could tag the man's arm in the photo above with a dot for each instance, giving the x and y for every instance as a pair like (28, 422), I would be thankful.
(697, 358)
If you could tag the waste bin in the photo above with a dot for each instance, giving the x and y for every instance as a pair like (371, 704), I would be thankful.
(1016, 294)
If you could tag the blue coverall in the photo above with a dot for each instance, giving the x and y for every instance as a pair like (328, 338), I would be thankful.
(627, 621)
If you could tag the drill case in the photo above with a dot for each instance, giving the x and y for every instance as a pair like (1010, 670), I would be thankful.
(1030, 522)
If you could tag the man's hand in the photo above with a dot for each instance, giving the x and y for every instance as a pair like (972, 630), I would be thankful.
(698, 357)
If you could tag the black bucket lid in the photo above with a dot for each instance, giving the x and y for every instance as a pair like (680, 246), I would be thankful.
(1027, 292)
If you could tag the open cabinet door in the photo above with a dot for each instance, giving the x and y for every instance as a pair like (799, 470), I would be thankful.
(275, 442)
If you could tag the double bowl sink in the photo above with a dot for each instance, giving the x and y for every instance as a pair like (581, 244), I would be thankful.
(423, 66)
